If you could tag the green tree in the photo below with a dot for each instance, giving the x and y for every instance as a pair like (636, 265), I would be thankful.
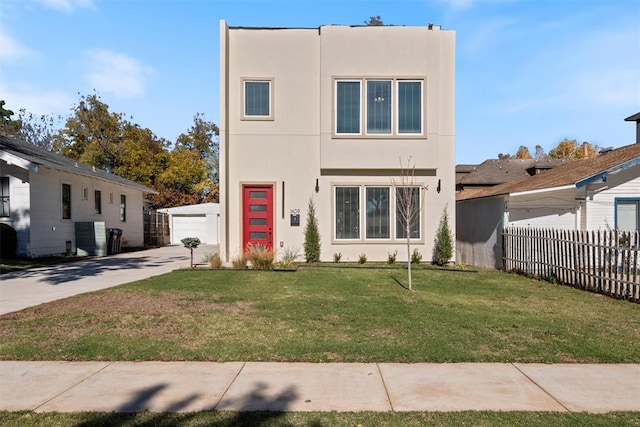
(311, 235)
(443, 249)
(374, 21)
(8, 126)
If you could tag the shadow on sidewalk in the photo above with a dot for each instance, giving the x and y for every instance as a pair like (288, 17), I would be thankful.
(254, 409)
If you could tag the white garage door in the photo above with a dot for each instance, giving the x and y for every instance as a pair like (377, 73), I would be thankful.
(188, 226)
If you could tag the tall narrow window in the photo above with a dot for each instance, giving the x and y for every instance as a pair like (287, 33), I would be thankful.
(348, 110)
(123, 208)
(409, 107)
(257, 98)
(4, 197)
(379, 107)
(408, 211)
(378, 218)
(347, 213)
(66, 201)
(97, 202)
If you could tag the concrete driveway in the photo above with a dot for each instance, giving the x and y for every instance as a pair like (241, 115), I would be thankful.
(19, 290)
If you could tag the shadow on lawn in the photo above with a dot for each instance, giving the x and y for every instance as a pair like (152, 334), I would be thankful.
(254, 409)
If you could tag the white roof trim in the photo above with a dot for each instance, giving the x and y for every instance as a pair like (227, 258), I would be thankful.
(17, 161)
(542, 190)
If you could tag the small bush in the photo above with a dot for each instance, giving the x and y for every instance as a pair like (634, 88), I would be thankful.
(261, 258)
(312, 235)
(288, 257)
(337, 257)
(443, 248)
(416, 257)
(239, 262)
(391, 257)
(362, 258)
(8, 241)
(215, 262)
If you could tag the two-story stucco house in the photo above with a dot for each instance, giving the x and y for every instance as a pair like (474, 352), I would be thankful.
(330, 114)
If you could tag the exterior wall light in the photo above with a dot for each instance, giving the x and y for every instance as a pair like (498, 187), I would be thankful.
(317, 185)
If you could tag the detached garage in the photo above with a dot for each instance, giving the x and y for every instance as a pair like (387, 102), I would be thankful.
(201, 221)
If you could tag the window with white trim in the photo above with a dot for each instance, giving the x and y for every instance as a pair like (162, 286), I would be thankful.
(627, 214)
(123, 208)
(258, 99)
(97, 202)
(382, 208)
(5, 212)
(66, 201)
(393, 107)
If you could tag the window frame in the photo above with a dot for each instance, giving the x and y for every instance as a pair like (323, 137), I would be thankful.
(97, 202)
(123, 208)
(362, 214)
(627, 200)
(422, 107)
(5, 199)
(243, 107)
(66, 198)
(395, 119)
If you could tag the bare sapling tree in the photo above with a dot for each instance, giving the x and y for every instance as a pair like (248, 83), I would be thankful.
(409, 199)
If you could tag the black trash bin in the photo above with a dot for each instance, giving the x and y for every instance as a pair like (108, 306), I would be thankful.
(114, 241)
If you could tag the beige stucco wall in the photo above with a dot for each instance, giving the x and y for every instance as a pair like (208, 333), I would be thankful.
(297, 146)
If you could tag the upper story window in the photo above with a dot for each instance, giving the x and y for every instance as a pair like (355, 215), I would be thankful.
(258, 99)
(393, 107)
(4, 197)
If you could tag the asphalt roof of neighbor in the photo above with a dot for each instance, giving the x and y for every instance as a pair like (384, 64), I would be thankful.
(42, 157)
(498, 171)
(567, 174)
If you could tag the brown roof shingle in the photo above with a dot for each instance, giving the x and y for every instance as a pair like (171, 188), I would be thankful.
(566, 174)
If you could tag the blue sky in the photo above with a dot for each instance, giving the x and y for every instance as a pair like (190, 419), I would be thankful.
(527, 72)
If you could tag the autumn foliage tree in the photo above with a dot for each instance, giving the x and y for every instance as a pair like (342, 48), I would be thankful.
(183, 174)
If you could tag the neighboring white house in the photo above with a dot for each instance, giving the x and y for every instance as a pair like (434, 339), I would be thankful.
(201, 221)
(328, 114)
(50, 199)
(597, 193)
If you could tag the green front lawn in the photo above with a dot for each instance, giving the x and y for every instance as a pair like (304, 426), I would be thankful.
(329, 315)
(321, 419)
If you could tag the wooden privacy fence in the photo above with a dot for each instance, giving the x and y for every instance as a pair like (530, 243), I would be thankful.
(156, 228)
(606, 262)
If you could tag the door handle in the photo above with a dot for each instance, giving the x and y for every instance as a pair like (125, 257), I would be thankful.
(270, 237)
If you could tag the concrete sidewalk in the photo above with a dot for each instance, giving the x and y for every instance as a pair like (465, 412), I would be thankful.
(22, 289)
(256, 386)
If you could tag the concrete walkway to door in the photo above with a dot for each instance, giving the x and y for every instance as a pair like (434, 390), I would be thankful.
(22, 289)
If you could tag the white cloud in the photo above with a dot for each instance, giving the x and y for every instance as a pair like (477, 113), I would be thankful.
(67, 5)
(35, 100)
(12, 50)
(116, 73)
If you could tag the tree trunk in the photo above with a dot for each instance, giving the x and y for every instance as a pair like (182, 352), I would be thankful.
(409, 258)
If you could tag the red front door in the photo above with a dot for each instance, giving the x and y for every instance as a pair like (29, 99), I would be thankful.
(257, 216)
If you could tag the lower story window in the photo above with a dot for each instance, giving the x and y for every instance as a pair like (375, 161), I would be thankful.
(383, 206)
(628, 214)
